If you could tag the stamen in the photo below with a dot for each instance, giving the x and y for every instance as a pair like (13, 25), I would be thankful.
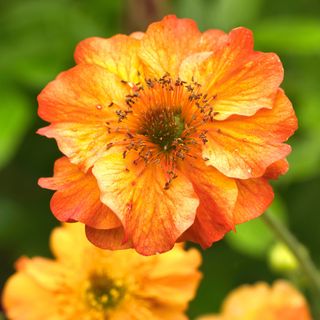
(103, 293)
(164, 120)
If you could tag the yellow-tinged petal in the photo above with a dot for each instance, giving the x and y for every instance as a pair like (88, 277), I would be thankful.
(240, 80)
(137, 35)
(243, 147)
(118, 55)
(178, 271)
(281, 301)
(46, 273)
(209, 40)
(166, 43)
(82, 94)
(78, 105)
(69, 236)
(77, 197)
(133, 193)
(19, 294)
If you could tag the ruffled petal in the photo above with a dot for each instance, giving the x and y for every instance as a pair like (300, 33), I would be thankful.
(210, 39)
(77, 197)
(277, 169)
(118, 55)
(111, 239)
(82, 94)
(281, 301)
(133, 193)
(78, 105)
(240, 80)
(217, 194)
(46, 273)
(83, 144)
(69, 245)
(254, 197)
(21, 299)
(137, 35)
(243, 147)
(167, 43)
(174, 279)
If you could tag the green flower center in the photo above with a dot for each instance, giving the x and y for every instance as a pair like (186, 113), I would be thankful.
(104, 293)
(163, 127)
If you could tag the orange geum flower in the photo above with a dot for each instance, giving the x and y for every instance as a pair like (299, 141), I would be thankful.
(168, 135)
(281, 301)
(87, 283)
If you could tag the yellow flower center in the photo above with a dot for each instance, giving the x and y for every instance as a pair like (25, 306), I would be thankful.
(104, 293)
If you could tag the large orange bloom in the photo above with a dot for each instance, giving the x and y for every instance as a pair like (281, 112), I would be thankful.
(281, 301)
(87, 283)
(168, 135)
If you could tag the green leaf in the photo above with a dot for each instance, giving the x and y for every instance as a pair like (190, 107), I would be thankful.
(15, 118)
(254, 238)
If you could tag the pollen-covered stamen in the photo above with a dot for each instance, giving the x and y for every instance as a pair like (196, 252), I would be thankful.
(163, 119)
(103, 293)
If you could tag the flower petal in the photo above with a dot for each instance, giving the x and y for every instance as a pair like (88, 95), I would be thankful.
(83, 144)
(277, 169)
(217, 194)
(254, 197)
(152, 217)
(45, 272)
(117, 54)
(20, 293)
(161, 52)
(173, 280)
(210, 39)
(111, 239)
(82, 94)
(69, 244)
(137, 35)
(77, 104)
(77, 197)
(240, 80)
(243, 147)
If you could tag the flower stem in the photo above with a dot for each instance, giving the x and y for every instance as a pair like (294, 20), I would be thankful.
(302, 255)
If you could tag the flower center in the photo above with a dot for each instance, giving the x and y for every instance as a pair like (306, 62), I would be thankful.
(164, 121)
(163, 127)
(104, 293)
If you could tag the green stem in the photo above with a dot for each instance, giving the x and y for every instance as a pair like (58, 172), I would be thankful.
(306, 264)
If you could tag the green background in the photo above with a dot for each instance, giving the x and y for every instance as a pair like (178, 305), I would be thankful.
(37, 39)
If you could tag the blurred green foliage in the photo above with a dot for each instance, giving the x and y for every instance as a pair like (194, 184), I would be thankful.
(37, 42)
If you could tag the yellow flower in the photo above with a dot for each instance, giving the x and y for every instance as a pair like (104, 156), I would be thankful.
(281, 301)
(87, 283)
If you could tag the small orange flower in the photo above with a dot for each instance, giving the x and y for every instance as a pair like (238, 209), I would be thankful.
(168, 135)
(262, 302)
(87, 283)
